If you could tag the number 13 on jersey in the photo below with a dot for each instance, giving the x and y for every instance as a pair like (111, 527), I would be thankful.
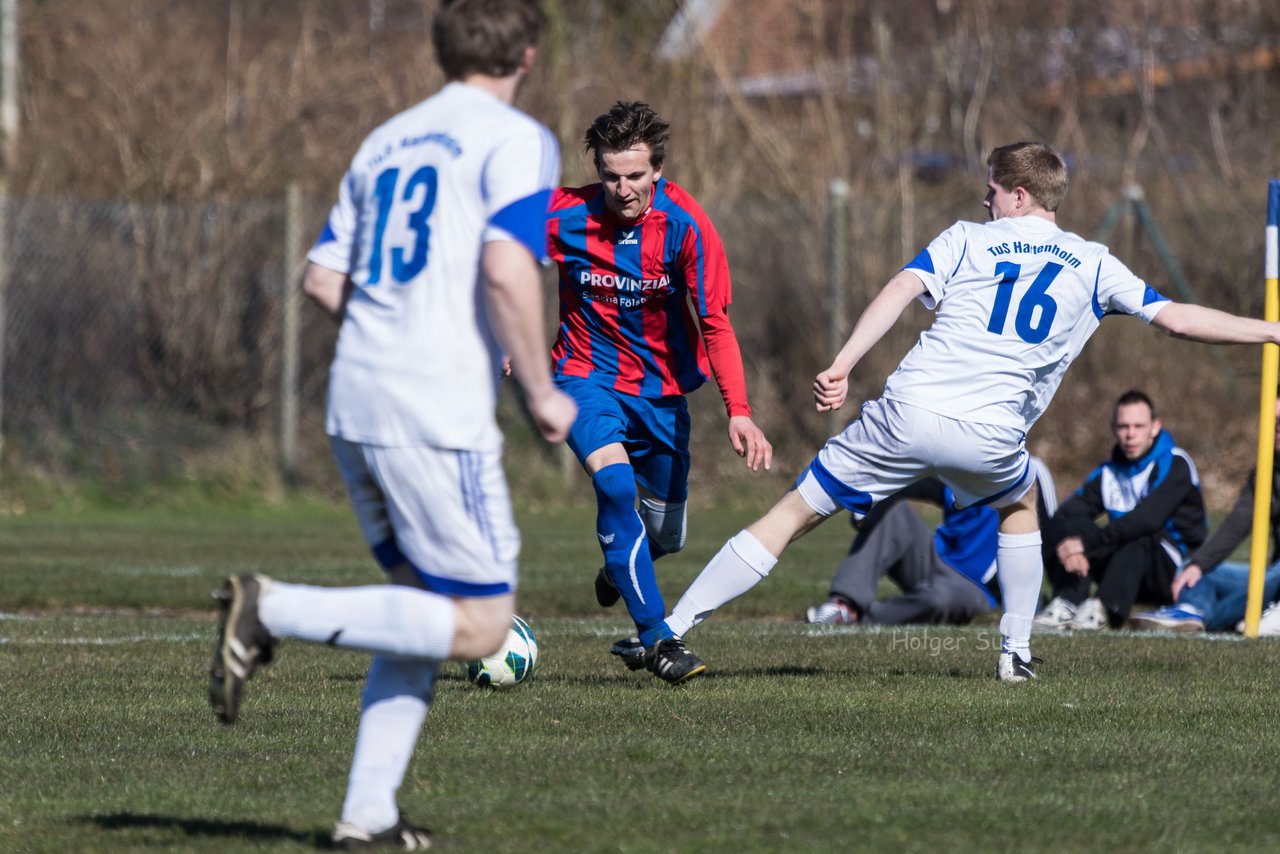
(411, 206)
(1031, 329)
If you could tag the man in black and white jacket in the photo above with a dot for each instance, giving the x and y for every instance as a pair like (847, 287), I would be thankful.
(1150, 493)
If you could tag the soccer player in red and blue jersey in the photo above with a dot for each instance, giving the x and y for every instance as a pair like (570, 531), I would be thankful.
(644, 320)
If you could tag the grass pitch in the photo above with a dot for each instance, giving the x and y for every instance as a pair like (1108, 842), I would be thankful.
(797, 739)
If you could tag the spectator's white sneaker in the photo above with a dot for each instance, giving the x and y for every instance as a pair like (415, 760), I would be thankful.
(1056, 615)
(1182, 621)
(1271, 618)
(1090, 616)
(1269, 623)
(833, 612)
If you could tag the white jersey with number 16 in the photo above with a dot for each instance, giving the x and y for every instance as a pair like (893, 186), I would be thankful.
(1016, 300)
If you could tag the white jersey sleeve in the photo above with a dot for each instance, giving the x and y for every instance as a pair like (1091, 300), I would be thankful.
(1118, 291)
(517, 183)
(939, 262)
(335, 249)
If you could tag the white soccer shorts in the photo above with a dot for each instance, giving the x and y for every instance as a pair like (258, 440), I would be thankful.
(894, 444)
(446, 512)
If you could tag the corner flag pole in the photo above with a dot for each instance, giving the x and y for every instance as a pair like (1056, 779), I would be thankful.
(1266, 422)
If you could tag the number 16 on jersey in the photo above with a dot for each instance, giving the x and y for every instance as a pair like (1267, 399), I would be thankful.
(1030, 328)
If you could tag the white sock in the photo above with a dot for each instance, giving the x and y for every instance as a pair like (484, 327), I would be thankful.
(383, 619)
(397, 695)
(740, 565)
(1020, 569)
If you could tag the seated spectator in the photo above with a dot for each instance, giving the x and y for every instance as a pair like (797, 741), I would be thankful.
(949, 577)
(1211, 595)
(1150, 493)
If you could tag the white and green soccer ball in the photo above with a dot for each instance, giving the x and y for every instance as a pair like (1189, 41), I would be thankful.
(510, 665)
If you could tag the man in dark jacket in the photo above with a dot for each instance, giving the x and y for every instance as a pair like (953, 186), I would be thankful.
(1211, 594)
(1150, 492)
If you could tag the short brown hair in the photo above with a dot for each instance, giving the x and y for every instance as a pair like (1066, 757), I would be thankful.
(1033, 166)
(484, 36)
(626, 124)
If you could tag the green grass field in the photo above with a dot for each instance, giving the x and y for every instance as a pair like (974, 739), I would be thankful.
(798, 739)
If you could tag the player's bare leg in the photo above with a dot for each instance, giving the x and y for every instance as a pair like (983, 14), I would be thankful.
(480, 622)
(744, 561)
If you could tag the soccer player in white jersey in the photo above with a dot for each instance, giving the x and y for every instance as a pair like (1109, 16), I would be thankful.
(1016, 300)
(429, 262)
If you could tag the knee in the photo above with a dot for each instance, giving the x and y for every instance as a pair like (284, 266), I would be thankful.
(488, 637)
(481, 628)
(482, 638)
(665, 523)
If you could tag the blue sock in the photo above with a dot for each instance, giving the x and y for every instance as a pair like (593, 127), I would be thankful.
(626, 550)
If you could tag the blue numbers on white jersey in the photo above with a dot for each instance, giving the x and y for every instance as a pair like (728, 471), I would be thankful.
(1037, 296)
(384, 192)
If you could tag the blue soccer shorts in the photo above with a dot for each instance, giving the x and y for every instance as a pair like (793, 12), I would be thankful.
(653, 431)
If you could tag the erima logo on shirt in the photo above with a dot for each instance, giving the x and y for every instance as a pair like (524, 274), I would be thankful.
(629, 239)
(606, 538)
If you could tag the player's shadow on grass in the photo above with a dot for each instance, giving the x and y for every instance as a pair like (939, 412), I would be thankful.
(869, 672)
(847, 672)
(248, 830)
(352, 678)
(637, 677)
(778, 670)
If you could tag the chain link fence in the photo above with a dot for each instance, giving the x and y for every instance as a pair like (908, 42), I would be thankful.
(142, 339)
(137, 333)
(144, 342)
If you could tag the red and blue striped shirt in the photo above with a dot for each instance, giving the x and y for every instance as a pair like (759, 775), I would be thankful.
(637, 298)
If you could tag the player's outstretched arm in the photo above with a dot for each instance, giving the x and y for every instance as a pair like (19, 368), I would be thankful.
(513, 293)
(1198, 323)
(831, 387)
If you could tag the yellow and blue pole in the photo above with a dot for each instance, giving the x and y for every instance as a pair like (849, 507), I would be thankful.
(1266, 422)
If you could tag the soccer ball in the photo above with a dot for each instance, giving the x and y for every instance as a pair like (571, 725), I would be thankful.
(512, 664)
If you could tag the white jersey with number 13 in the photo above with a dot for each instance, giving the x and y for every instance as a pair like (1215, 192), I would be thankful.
(417, 363)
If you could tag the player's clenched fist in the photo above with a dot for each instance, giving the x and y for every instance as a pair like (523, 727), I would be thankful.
(830, 389)
(554, 413)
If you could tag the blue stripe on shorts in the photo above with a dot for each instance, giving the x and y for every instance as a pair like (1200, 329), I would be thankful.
(853, 500)
(477, 506)
(1021, 481)
(453, 587)
(387, 553)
